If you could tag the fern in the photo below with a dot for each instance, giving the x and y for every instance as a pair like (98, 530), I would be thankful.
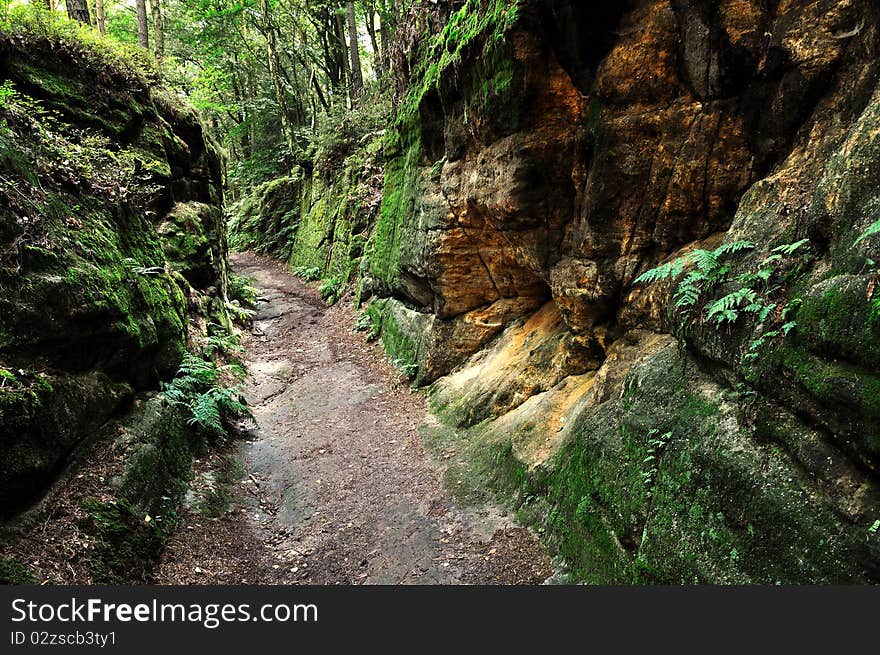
(725, 309)
(873, 228)
(207, 403)
(688, 291)
(790, 248)
(309, 274)
(703, 259)
(733, 247)
(330, 289)
(663, 272)
(146, 271)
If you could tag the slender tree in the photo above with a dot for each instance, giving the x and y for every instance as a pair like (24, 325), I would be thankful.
(345, 67)
(100, 18)
(275, 74)
(158, 29)
(370, 22)
(357, 77)
(143, 28)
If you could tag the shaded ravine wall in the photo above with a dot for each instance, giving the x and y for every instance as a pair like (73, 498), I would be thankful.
(112, 262)
(545, 155)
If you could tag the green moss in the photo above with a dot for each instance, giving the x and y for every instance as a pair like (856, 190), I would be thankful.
(837, 317)
(402, 190)
(128, 542)
(14, 572)
(402, 332)
(474, 23)
(664, 485)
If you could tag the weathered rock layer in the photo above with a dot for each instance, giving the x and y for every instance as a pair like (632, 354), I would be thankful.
(569, 150)
(112, 246)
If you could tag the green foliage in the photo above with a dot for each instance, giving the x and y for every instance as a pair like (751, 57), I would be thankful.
(656, 444)
(308, 273)
(873, 228)
(13, 572)
(79, 43)
(199, 388)
(369, 322)
(708, 271)
(727, 308)
(754, 295)
(242, 298)
(473, 21)
(241, 288)
(330, 289)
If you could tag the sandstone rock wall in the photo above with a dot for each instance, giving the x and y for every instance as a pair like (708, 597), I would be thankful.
(544, 171)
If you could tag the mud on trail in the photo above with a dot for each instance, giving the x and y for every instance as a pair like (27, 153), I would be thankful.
(337, 488)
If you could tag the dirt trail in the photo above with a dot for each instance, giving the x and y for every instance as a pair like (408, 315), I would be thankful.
(338, 489)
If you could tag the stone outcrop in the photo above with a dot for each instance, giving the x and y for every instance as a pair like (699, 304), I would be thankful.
(112, 249)
(716, 425)
(570, 149)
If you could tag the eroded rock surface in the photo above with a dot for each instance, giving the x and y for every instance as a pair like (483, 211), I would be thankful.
(112, 243)
(555, 165)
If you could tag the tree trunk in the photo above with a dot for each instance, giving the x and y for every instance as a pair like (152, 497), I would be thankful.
(357, 78)
(143, 29)
(370, 21)
(344, 68)
(158, 29)
(79, 10)
(274, 73)
(100, 19)
(385, 39)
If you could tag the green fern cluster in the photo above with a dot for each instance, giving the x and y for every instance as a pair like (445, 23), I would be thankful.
(708, 270)
(656, 444)
(221, 342)
(873, 228)
(752, 295)
(367, 323)
(241, 288)
(199, 390)
(309, 274)
(331, 289)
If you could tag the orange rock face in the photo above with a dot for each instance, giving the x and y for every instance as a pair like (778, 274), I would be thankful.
(626, 133)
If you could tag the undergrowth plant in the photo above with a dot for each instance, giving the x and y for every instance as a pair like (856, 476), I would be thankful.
(209, 391)
(242, 298)
(753, 293)
(709, 270)
(873, 228)
(331, 290)
(367, 323)
(308, 273)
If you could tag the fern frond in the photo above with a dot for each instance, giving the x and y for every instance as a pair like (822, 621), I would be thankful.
(688, 291)
(733, 247)
(873, 228)
(789, 248)
(724, 310)
(703, 259)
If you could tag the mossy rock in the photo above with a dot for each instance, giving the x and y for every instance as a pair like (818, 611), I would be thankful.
(13, 572)
(128, 542)
(157, 445)
(187, 243)
(43, 418)
(839, 318)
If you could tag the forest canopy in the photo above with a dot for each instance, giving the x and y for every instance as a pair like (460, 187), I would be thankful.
(278, 82)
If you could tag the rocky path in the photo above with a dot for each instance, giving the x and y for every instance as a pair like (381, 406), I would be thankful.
(337, 488)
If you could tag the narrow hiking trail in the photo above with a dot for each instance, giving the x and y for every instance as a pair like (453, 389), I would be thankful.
(337, 488)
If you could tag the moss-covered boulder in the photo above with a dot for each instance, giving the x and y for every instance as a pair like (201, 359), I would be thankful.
(111, 236)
